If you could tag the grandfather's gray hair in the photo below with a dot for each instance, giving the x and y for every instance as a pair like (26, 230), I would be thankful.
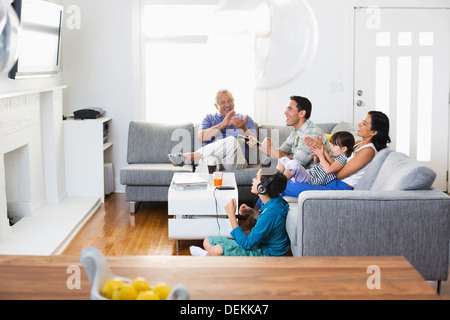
(221, 91)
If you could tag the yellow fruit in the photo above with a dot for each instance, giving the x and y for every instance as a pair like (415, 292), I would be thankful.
(140, 284)
(147, 295)
(162, 290)
(109, 287)
(124, 292)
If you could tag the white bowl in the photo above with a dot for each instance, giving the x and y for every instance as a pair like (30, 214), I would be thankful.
(98, 272)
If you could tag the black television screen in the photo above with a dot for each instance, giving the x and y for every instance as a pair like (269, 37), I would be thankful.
(39, 40)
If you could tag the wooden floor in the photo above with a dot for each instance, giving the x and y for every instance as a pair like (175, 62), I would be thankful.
(116, 232)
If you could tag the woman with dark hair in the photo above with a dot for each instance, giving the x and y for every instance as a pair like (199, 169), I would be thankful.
(374, 131)
(380, 123)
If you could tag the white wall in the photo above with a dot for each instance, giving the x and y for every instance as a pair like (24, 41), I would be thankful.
(327, 68)
(101, 67)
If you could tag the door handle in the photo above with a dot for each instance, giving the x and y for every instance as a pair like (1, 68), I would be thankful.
(360, 103)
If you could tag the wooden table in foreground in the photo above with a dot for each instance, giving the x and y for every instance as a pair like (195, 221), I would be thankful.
(222, 278)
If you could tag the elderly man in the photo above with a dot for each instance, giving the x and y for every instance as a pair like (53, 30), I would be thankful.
(225, 124)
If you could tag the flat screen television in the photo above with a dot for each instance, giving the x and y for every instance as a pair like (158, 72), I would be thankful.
(40, 39)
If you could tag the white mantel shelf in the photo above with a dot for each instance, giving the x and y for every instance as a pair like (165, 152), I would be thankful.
(31, 91)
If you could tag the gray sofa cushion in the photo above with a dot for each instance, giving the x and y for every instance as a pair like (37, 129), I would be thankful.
(150, 174)
(279, 134)
(400, 172)
(151, 142)
(197, 143)
(345, 126)
(147, 193)
(245, 176)
(368, 178)
(326, 127)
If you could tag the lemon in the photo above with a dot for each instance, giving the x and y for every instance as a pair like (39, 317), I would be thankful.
(162, 290)
(124, 292)
(147, 295)
(109, 287)
(140, 284)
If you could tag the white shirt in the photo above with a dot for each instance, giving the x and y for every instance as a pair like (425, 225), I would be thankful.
(354, 178)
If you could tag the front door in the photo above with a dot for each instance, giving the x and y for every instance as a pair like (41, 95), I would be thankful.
(402, 68)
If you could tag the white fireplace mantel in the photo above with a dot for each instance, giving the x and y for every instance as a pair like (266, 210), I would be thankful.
(32, 120)
(31, 91)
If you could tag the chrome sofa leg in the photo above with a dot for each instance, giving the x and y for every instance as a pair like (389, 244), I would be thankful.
(134, 206)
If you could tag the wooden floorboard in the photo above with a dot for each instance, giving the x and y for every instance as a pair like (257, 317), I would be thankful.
(116, 232)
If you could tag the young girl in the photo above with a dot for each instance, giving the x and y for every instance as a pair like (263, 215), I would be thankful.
(323, 172)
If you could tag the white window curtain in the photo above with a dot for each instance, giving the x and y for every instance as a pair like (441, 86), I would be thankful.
(182, 70)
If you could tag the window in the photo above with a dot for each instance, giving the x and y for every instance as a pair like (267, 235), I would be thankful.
(182, 69)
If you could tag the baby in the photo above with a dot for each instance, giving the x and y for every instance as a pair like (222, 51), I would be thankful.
(323, 172)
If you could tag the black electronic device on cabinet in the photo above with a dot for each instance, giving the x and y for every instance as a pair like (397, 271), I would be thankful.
(89, 113)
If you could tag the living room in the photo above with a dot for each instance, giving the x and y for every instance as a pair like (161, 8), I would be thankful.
(102, 65)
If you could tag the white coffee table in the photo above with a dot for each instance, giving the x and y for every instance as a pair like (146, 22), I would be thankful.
(200, 213)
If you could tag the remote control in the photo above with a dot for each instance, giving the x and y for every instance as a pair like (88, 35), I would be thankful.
(247, 139)
(225, 188)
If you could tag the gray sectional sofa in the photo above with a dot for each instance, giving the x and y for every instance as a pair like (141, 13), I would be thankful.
(394, 211)
(148, 174)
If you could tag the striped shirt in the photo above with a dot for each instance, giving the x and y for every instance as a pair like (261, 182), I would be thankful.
(295, 145)
(318, 175)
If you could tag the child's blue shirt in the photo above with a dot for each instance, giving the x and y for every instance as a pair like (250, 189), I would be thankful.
(269, 234)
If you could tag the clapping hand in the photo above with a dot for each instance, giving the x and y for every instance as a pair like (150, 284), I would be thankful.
(228, 120)
(318, 152)
(317, 143)
(240, 123)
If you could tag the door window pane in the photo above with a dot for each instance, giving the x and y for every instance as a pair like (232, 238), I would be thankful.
(425, 108)
(383, 39)
(404, 105)
(383, 82)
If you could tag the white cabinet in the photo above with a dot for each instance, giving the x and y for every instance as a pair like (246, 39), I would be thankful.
(85, 149)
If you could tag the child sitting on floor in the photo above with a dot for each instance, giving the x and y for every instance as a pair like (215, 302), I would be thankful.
(268, 237)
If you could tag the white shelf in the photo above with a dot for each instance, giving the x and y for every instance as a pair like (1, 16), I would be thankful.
(107, 145)
(101, 119)
(85, 158)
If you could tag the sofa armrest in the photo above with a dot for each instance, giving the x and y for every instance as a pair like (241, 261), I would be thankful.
(414, 224)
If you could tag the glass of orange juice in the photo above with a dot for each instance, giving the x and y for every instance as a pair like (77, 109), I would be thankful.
(218, 178)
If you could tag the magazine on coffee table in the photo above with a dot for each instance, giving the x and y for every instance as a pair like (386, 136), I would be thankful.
(189, 182)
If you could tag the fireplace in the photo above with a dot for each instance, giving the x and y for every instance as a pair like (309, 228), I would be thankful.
(31, 154)
(17, 180)
(37, 217)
